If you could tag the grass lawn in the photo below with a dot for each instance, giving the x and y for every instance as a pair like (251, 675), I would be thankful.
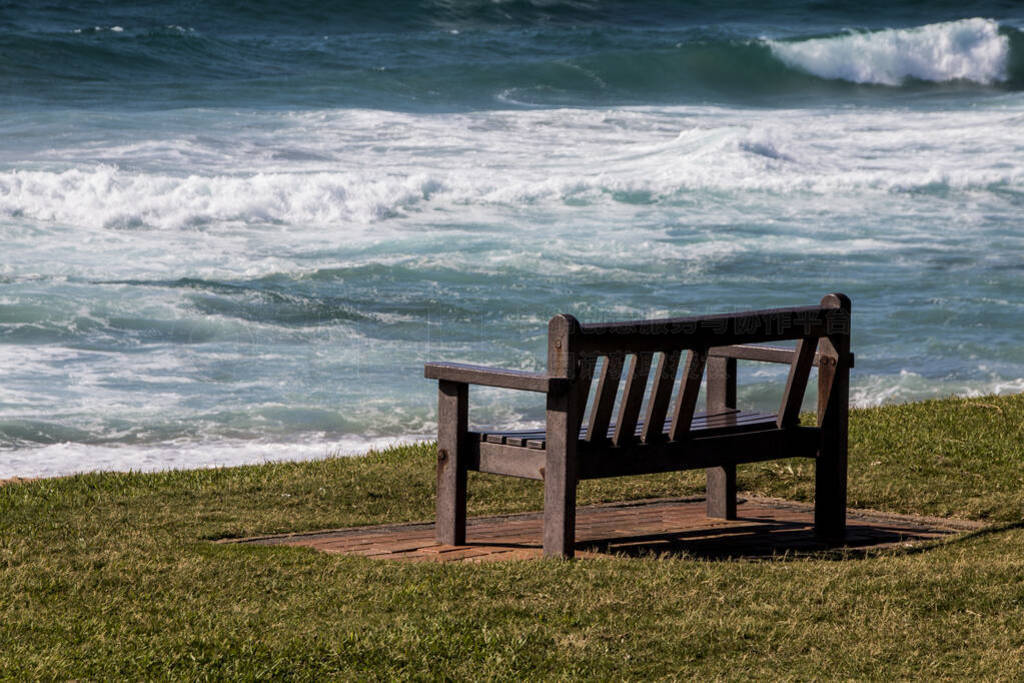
(113, 575)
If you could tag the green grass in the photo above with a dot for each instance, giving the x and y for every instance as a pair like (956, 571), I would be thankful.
(113, 576)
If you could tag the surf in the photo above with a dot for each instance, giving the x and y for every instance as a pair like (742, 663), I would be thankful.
(973, 50)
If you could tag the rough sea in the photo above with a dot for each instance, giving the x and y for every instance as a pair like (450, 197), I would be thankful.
(233, 232)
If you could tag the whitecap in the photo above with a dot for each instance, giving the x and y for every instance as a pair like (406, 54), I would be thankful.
(968, 49)
(71, 458)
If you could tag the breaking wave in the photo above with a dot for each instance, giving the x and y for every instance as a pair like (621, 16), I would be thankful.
(746, 160)
(968, 50)
(108, 197)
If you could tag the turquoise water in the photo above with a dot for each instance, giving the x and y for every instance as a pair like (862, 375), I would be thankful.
(235, 232)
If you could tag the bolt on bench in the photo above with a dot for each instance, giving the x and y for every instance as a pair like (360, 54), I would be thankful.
(669, 435)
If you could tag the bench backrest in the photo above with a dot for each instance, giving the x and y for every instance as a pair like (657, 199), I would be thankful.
(630, 350)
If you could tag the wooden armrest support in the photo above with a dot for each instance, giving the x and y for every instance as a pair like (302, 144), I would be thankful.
(495, 377)
(767, 354)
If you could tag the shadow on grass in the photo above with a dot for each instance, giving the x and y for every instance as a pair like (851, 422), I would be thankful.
(786, 541)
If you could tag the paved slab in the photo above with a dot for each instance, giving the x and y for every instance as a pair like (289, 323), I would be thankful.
(765, 527)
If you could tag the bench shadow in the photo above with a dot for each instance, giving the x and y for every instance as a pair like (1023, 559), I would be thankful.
(758, 539)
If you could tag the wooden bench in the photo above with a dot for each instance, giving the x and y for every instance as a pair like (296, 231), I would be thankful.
(670, 435)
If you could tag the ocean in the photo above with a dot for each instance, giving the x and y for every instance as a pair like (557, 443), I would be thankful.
(233, 232)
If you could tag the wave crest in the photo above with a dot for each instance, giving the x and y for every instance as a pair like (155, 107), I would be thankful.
(459, 163)
(966, 50)
(111, 198)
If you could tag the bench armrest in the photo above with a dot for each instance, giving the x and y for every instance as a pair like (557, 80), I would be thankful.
(495, 377)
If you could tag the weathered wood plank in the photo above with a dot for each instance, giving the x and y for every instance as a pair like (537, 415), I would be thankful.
(604, 400)
(765, 354)
(661, 393)
(732, 420)
(686, 402)
(721, 390)
(745, 422)
(796, 382)
(711, 331)
(698, 453)
(720, 486)
(721, 491)
(513, 462)
(520, 441)
(830, 469)
(563, 331)
(494, 377)
(452, 438)
(632, 398)
(560, 475)
(581, 389)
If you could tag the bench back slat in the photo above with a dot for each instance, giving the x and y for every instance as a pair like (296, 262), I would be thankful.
(689, 389)
(661, 394)
(585, 374)
(827, 370)
(604, 399)
(796, 383)
(632, 398)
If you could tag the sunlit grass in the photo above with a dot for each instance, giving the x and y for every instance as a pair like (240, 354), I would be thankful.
(113, 575)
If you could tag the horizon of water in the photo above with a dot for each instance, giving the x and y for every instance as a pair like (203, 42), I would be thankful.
(234, 233)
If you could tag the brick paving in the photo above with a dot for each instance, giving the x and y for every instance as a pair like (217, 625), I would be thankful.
(764, 528)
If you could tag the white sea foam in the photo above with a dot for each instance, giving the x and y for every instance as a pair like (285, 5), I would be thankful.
(877, 390)
(108, 197)
(72, 458)
(968, 49)
(369, 167)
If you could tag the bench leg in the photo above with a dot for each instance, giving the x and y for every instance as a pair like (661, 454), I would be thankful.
(830, 491)
(830, 467)
(560, 480)
(721, 492)
(452, 427)
(721, 395)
